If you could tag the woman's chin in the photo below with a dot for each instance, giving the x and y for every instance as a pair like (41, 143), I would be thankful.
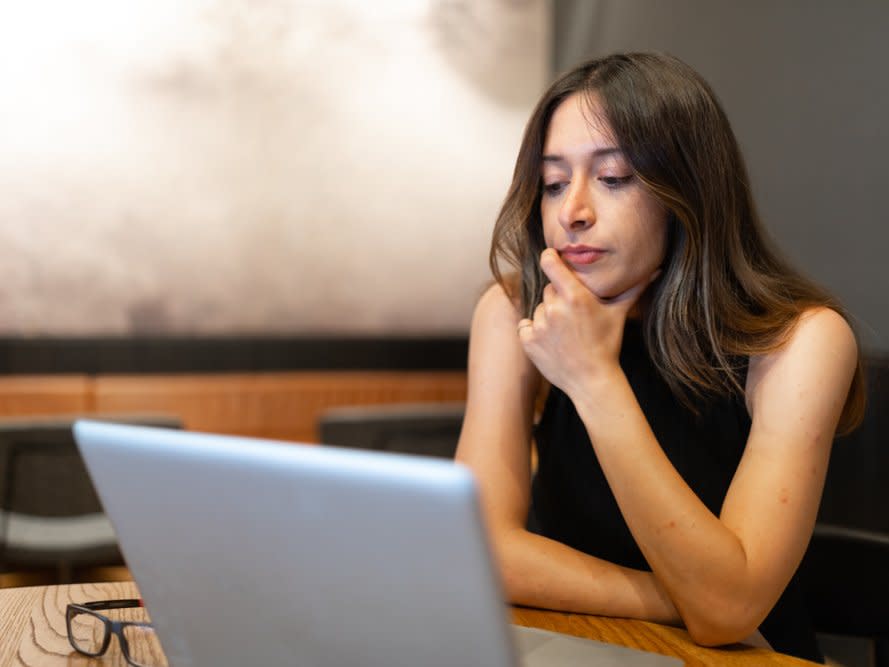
(602, 292)
(608, 293)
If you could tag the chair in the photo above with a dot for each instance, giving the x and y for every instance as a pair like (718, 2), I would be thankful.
(50, 516)
(845, 572)
(845, 577)
(429, 429)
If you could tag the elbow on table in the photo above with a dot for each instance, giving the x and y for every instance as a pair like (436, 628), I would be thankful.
(725, 610)
(725, 625)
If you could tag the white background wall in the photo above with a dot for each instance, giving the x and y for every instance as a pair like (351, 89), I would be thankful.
(224, 166)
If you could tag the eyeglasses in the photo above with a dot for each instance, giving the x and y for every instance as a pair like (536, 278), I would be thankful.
(89, 632)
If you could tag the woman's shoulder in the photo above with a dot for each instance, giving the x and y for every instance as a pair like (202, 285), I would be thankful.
(497, 305)
(819, 344)
(496, 355)
(816, 329)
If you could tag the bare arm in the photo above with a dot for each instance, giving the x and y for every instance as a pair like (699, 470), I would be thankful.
(723, 573)
(495, 443)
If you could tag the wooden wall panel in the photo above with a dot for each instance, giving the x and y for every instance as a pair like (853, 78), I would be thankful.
(27, 395)
(273, 405)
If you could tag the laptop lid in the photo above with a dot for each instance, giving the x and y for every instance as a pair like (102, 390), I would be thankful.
(255, 552)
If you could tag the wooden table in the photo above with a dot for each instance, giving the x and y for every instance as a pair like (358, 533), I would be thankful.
(32, 630)
(649, 637)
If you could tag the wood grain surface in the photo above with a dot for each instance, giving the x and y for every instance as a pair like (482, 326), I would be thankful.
(33, 634)
(650, 637)
(32, 624)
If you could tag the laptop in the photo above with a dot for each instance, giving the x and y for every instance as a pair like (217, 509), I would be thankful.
(254, 552)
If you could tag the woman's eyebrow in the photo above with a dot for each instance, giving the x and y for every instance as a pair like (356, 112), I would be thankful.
(597, 153)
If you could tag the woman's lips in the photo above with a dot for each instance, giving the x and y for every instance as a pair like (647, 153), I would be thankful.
(581, 254)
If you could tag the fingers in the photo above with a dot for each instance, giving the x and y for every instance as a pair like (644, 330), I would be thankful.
(563, 286)
(525, 327)
(549, 293)
(539, 317)
(560, 276)
(524, 330)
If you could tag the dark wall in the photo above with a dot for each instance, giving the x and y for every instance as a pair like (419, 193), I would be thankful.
(233, 354)
(806, 86)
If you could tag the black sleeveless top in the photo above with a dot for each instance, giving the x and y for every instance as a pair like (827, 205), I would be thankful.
(573, 504)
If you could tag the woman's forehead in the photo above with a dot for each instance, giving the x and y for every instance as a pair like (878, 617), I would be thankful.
(578, 125)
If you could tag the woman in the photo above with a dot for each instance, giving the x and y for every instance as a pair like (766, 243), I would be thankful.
(695, 380)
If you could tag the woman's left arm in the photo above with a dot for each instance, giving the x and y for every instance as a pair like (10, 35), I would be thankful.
(725, 573)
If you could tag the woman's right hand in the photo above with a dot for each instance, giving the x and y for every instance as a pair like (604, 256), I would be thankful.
(575, 337)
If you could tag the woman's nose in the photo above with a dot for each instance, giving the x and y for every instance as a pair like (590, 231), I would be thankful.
(576, 212)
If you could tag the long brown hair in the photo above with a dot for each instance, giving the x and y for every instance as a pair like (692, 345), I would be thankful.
(725, 293)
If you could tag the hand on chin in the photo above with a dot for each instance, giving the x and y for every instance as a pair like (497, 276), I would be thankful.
(575, 334)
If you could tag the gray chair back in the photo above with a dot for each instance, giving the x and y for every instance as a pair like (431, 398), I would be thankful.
(428, 429)
(50, 515)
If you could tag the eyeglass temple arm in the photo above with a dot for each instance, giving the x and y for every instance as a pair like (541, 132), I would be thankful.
(113, 604)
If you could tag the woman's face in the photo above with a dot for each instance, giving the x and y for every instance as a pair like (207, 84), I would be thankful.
(607, 227)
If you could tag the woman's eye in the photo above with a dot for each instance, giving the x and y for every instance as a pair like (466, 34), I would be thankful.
(553, 188)
(615, 181)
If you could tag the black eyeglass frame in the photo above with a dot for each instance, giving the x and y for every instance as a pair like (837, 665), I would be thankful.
(111, 627)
